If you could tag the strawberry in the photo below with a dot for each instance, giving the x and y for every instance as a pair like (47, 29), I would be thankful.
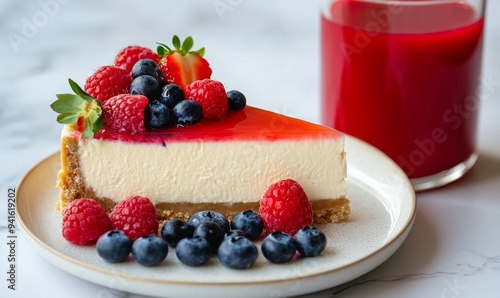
(108, 81)
(125, 113)
(128, 56)
(180, 65)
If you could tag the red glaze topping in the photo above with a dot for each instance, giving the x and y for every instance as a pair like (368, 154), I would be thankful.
(248, 124)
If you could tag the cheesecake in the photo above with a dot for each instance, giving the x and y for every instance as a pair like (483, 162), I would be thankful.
(223, 165)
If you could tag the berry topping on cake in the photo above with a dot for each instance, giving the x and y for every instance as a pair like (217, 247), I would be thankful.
(171, 95)
(136, 216)
(125, 113)
(180, 65)
(149, 250)
(147, 67)
(211, 96)
(129, 56)
(157, 115)
(80, 110)
(146, 85)
(212, 232)
(114, 246)
(84, 221)
(187, 112)
(236, 100)
(285, 207)
(107, 82)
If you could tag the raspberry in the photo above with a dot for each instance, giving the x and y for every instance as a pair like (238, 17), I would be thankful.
(128, 56)
(84, 221)
(108, 81)
(125, 113)
(136, 216)
(285, 208)
(211, 96)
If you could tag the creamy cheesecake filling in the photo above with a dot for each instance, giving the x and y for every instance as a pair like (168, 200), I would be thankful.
(190, 172)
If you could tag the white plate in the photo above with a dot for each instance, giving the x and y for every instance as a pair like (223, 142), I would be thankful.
(382, 206)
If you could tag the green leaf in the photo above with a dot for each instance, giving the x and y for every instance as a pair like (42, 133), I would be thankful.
(88, 132)
(68, 118)
(187, 44)
(79, 91)
(176, 42)
(200, 52)
(97, 124)
(68, 103)
(162, 49)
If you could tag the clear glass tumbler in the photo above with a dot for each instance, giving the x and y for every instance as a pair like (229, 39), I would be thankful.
(405, 76)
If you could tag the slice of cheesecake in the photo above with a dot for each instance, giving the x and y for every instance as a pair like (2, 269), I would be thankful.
(224, 165)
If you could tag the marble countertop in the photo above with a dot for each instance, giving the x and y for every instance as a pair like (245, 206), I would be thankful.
(270, 49)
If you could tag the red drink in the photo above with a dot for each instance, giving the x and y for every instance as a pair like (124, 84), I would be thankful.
(404, 78)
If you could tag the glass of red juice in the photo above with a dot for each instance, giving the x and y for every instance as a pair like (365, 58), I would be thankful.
(405, 76)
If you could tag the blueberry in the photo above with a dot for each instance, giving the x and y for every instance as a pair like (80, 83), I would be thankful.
(233, 233)
(310, 241)
(236, 100)
(237, 252)
(193, 251)
(147, 67)
(212, 232)
(146, 85)
(187, 112)
(209, 215)
(149, 250)
(156, 115)
(175, 230)
(171, 95)
(114, 246)
(249, 222)
(278, 247)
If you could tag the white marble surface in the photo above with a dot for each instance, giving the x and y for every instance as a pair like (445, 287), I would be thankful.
(270, 50)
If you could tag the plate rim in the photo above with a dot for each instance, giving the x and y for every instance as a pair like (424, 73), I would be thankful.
(55, 253)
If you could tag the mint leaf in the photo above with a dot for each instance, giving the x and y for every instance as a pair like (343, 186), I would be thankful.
(162, 49)
(200, 52)
(88, 132)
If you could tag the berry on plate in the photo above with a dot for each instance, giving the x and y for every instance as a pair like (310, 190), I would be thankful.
(174, 230)
(80, 110)
(136, 216)
(211, 96)
(278, 247)
(249, 222)
(285, 208)
(84, 221)
(237, 252)
(114, 246)
(212, 232)
(128, 56)
(193, 251)
(209, 215)
(125, 112)
(310, 241)
(108, 81)
(180, 65)
(149, 250)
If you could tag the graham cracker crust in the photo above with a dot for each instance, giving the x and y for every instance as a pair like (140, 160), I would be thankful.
(72, 186)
